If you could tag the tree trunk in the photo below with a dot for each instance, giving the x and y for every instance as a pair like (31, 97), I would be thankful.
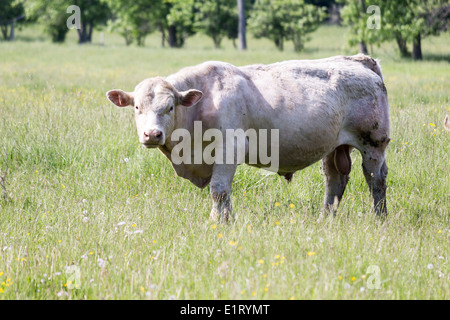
(297, 40)
(89, 34)
(163, 35)
(362, 43)
(11, 32)
(402, 46)
(241, 25)
(59, 36)
(363, 47)
(172, 36)
(279, 43)
(81, 32)
(4, 29)
(128, 39)
(85, 32)
(417, 48)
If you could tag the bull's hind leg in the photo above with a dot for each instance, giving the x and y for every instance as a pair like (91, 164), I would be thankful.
(336, 167)
(375, 171)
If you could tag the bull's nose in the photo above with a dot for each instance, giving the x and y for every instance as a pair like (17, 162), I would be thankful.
(153, 136)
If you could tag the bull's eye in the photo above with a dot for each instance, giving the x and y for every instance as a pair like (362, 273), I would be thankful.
(137, 108)
(171, 109)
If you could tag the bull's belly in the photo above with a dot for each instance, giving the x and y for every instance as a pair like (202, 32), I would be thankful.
(294, 158)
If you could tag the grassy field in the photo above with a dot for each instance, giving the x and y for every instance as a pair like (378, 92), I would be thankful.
(89, 214)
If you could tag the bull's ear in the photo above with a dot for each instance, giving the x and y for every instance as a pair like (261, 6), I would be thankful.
(190, 97)
(120, 98)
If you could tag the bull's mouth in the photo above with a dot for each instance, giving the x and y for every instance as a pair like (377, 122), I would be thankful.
(151, 145)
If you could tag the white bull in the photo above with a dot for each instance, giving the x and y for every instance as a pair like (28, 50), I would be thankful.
(321, 109)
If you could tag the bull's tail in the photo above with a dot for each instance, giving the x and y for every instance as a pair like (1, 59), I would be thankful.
(369, 62)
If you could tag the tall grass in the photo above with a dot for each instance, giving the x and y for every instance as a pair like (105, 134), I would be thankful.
(81, 192)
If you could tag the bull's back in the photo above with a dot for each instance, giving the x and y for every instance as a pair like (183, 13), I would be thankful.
(309, 102)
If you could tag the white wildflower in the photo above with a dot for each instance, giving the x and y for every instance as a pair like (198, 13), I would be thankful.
(101, 263)
(61, 293)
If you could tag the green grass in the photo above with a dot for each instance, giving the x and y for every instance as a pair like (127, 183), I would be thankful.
(80, 188)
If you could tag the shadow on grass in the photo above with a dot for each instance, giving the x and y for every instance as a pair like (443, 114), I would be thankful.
(24, 38)
(436, 57)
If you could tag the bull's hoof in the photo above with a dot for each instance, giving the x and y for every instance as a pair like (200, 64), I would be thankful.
(214, 215)
(225, 217)
(228, 218)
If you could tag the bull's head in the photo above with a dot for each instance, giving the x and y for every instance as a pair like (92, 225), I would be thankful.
(155, 101)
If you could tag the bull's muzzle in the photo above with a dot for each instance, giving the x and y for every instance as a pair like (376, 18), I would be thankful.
(152, 138)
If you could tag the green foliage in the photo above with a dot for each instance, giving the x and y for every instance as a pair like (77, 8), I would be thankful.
(52, 15)
(217, 19)
(180, 21)
(93, 13)
(402, 21)
(9, 11)
(354, 14)
(83, 192)
(285, 20)
(134, 19)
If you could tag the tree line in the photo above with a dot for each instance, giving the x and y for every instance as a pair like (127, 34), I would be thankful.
(404, 21)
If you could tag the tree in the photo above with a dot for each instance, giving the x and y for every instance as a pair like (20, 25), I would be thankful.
(51, 14)
(10, 12)
(280, 20)
(180, 21)
(93, 13)
(429, 17)
(134, 20)
(216, 18)
(402, 21)
(242, 25)
(354, 14)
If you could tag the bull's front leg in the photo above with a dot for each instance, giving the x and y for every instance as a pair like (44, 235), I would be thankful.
(221, 182)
